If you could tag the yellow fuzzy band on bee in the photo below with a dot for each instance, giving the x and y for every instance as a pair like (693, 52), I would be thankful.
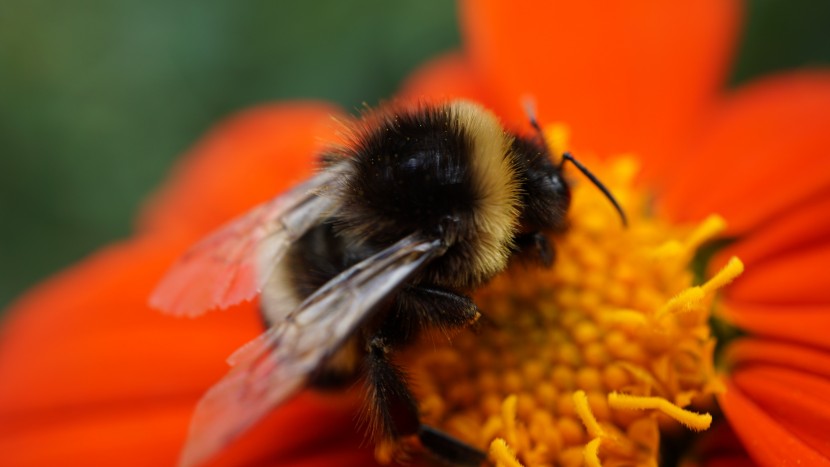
(496, 184)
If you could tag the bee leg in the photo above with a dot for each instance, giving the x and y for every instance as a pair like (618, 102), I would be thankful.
(444, 309)
(535, 246)
(425, 306)
(394, 411)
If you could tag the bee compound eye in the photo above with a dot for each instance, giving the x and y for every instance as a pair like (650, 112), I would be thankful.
(557, 183)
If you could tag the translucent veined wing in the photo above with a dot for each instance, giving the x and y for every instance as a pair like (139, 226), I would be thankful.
(232, 264)
(269, 369)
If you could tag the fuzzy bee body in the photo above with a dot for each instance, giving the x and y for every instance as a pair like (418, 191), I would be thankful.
(419, 207)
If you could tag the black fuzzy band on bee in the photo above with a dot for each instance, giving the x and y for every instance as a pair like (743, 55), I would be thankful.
(411, 171)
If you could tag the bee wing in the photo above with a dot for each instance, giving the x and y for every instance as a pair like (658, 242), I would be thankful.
(232, 264)
(275, 365)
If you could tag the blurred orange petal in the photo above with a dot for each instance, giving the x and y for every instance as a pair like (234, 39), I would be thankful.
(795, 240)
(803, 226)
(447, 77)
(314, 429)
(634, 76)
(247, 159)
(765, 438)
(802, 324)
(798, 278)
(763, 155)
(87, 336)
(143, 432)
(752, 351)
(84, 357)
(796, 400)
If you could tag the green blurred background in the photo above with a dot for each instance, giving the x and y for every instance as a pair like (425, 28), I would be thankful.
(97, 98)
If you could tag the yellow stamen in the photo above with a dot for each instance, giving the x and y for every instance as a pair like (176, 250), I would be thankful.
(695, 421)
(631, 317)
(732, 270)
(711, 227)
(591, 453)
(669, 250)
(502, 455)
(508, 414)
(584, 412)
(686, 300)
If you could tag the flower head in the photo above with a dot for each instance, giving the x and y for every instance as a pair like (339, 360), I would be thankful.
(596, 359)
(588, 360)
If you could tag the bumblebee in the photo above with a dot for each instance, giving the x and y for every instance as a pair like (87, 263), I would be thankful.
(416, 209)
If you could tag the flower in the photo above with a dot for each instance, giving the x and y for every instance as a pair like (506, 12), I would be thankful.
(91, 375)
(578, 361)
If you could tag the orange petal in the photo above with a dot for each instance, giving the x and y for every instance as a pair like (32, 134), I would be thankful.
(795, 279)
(803, 324)
(312, 430)
(767, 441)
(796, 400)
(447, 77)
(750, 351)
(246, 160)
(802, 226)
(308, 431)
(763, 155)
(87, 336)
(633, 76)
(785, 259)
(83, 354)
(138, 434)
(782, 293)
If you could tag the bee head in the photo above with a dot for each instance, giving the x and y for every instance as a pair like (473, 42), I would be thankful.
(546, 196)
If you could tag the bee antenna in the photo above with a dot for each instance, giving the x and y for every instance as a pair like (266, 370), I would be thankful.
(530, 110)
(568, 157)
